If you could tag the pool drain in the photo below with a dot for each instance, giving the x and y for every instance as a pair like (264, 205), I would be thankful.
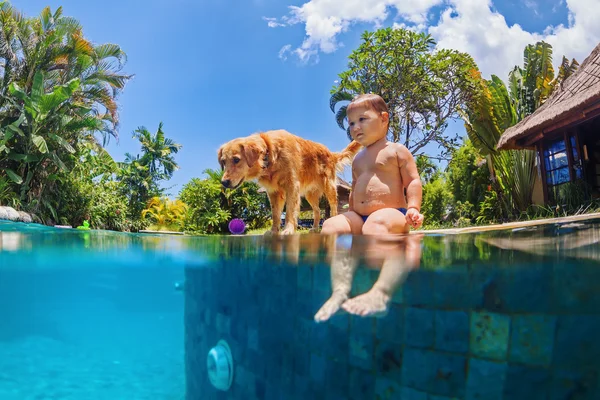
(220, 366)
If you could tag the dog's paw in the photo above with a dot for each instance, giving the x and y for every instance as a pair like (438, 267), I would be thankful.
(288, 231)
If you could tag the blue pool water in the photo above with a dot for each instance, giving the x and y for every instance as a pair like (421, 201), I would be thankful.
(101, 315)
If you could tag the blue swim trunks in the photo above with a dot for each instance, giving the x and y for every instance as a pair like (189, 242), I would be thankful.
(401, 209)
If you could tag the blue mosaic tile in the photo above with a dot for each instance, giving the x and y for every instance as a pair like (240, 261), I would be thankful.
(244, 378)
(257, 361)
(301, 360)
(362, 326)
(526, 383)
(415, 367)
(575, 385)
(302, 387)
(253, 339)
(531, 289)
(261, 389)
(318, 367)
(419, 327)
(390, 327)
(489, 335)
(337, 375)
(364, 279)
(576, 345)
(387, 389)
(485, 380)
(336, 346)
(322, 279)
(361, 385)
(407, 393)
(452, 289)
(452, 331)
(577, 290)
(340, 320)
(447, 374)
(492, 287)
(418, 288)
(361, 350)
(532, 339)
(388, 359)
(302, 331)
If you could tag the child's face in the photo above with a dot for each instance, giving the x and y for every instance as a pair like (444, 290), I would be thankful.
(367, 125)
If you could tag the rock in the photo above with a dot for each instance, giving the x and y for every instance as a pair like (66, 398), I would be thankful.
(12, 214)
(3, 213)
(24, 217)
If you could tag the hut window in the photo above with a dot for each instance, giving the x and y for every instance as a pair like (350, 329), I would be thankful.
(556, 163)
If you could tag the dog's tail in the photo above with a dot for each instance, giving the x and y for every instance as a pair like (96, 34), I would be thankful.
(346, 156)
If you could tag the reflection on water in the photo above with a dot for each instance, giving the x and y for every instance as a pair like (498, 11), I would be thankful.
(96, 315)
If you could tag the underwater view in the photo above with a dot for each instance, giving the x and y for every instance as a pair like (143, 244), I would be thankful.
(510, 314)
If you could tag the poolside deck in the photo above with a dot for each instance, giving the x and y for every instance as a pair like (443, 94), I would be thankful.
(514, 225)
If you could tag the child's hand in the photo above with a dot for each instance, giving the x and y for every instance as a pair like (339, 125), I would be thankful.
(414, 217)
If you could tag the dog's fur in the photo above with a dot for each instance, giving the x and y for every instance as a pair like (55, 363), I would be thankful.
(288, 167)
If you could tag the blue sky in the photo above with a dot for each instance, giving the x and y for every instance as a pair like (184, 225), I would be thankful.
(215, 70)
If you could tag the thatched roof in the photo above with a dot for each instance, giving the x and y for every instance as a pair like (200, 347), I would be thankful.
(572, 102)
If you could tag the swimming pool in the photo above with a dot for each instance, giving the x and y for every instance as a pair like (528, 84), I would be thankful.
(103, 315)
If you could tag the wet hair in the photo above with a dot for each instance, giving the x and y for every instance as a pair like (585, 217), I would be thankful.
(371, 101)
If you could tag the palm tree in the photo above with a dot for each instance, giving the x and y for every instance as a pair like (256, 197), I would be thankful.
(499, 107)
(157, 152)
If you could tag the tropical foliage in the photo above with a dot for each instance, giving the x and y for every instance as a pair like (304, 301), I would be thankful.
(166, 214)
(498, 107)
(424, 88)
(211, 206)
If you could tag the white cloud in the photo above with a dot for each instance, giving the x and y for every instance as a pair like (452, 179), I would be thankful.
(272, 22)
(471, 26)
(466, 25)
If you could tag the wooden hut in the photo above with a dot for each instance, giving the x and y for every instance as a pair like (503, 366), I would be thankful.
(565, 132)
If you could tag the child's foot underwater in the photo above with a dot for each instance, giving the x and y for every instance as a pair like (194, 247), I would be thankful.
(330, 307)
(374, 303)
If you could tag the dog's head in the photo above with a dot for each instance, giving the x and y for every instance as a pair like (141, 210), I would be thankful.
(241, 159)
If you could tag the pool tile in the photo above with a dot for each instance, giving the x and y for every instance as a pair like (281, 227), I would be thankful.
(391, 327)
(361, 385)
(419, 327)
(452, 331)
(577, 345)
(526, 383)
(407, 393)
(388, 359)
(387, 389)
(418, 287)
(532, 339)
(447, 374)
(360, 351)
(415, 368)
(485, 380)
(318, 367)
(452, 289)
(489, 335)
(567, 384)
(577, 290)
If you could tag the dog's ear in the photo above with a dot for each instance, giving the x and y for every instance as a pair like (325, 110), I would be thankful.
(251, 153)
(219, 155)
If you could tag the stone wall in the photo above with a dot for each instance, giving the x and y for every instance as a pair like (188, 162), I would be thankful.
(463, 332)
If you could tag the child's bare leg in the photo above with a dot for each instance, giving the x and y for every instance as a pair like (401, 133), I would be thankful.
(399, 261)
(343, 264)
(376, 301)
(343, 267)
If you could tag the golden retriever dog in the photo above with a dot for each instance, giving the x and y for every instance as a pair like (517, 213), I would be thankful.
(288, 167)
